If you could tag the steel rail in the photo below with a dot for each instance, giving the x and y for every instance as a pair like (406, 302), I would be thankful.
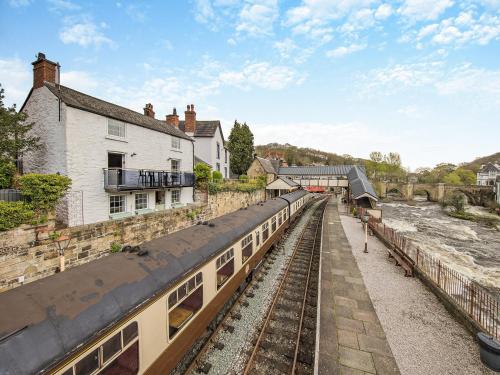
(195, 361)
(251, 360)
(305, 293)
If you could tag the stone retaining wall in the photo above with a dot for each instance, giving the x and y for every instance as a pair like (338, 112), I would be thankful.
(26, 255)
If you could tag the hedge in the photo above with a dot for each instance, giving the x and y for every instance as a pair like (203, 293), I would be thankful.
(43, 191)
(13, 214)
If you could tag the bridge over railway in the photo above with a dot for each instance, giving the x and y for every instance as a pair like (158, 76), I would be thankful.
(476, 195)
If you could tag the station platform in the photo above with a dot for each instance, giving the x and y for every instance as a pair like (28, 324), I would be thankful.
(350, 338)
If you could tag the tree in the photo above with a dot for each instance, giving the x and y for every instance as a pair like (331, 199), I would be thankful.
(467, 176)
(376, 156)
(240, 146)
(14, 132)
(452, 179)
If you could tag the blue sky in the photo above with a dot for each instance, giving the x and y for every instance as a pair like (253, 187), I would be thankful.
(420, 77)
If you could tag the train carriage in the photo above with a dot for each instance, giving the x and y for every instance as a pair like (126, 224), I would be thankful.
(138, 312)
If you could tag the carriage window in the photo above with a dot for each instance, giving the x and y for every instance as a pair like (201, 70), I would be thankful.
(257, 238)
(246, 248)
(225, 267)
(273, 224)
(129, 333)
(280, 218)
(189, 299)
(111, 347)
(265, 231)
(88, 364)
(126, 363)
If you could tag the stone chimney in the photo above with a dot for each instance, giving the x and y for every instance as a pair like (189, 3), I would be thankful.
(173, 119)
(190, 119)
(44, 71)
(148, 110)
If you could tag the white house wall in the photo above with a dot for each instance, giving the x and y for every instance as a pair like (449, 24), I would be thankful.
(88, 146)
(206, 150)
(42, 108)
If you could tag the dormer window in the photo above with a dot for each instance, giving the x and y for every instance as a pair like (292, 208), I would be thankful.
(116, 128)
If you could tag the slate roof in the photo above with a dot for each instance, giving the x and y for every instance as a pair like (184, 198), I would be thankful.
(267, 165)
(203, 128)
(288, 181)
(79, 100)
(490, 167)
(359, 183)
(339, 170)
(45, 320)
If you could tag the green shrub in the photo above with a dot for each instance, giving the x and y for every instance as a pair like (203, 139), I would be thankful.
(202, 172)
(243, 178)
(116, 247)
(7, 171)
(43, 191)
(262, 181)
(216, 176)
(13, 214)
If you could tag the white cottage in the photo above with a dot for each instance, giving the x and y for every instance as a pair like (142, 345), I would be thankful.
(487, 174)
(121, 162)
(209, 146)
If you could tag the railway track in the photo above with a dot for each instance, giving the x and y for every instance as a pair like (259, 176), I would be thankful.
(285, 344)
(197, 364)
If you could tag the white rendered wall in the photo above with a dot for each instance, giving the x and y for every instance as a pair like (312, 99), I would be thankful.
(206, 149)
(88, 146)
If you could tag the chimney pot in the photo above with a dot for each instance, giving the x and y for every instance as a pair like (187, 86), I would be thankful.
(190, 119)
(44, 71)
(173, 119)
(148, 110)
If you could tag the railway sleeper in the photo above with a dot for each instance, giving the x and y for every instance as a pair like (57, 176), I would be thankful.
(305, 356)
(218, 345)
(279, 346)
(265, 364)
(282, 329)
(236, 316)
(203, 367)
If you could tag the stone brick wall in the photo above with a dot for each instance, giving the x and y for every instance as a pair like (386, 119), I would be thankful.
(26, 255)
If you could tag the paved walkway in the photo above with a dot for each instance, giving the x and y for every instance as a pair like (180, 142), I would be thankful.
(351, 339)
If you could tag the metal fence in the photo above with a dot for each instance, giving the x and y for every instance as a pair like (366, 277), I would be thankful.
(10, 195)
(474, 300)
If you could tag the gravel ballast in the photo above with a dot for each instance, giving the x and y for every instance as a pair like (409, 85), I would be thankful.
(423, 336)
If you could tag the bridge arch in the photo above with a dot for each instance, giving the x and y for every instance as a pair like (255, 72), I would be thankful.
(423, 192)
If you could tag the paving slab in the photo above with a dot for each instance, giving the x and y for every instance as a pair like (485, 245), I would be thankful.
(350, 337)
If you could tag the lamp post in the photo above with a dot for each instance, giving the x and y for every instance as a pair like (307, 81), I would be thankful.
(62, 244)
(365, 219)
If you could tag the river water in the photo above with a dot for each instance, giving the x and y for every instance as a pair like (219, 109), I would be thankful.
(468, 247)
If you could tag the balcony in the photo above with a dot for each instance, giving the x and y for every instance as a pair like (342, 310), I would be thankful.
(120, 179)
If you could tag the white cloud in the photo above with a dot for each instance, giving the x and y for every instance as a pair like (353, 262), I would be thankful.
(16, 79)
(79, 80)
(62, 5)
(257, 17)
(288, 50)
(84, 32)
(345, 50)
(262, 75)
(19, 3)
(424, 9)
(463, 29)
(204, 12)
(383, 11)
(411, 111)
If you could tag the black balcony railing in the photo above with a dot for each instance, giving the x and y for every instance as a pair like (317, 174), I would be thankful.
(137, 179)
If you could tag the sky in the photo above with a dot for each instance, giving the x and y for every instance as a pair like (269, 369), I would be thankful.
(418, 77)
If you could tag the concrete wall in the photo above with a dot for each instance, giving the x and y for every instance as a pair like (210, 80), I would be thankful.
(22, 256)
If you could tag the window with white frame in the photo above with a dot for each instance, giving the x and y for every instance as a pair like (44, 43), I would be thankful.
(141, 201)
(116, 128)
(217, 166)
(225, 156)
(273, 224)
(257, 238)
(183, 303)
(218, 150)
(176, 143)
(176, 196)
(265, 232)
(175, 165)
(116, 204)
(246, 248)
(224, 267)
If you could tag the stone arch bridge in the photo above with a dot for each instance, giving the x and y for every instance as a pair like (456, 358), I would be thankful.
(476, 195)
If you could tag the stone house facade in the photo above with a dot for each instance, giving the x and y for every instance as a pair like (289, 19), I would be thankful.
(121, 162)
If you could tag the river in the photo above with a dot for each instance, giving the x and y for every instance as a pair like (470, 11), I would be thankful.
(468, 247)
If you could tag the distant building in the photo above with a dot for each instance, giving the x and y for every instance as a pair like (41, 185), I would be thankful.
(209, 143)
(497, 189)
(121, 162)
(263, 167)
(487, 175)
